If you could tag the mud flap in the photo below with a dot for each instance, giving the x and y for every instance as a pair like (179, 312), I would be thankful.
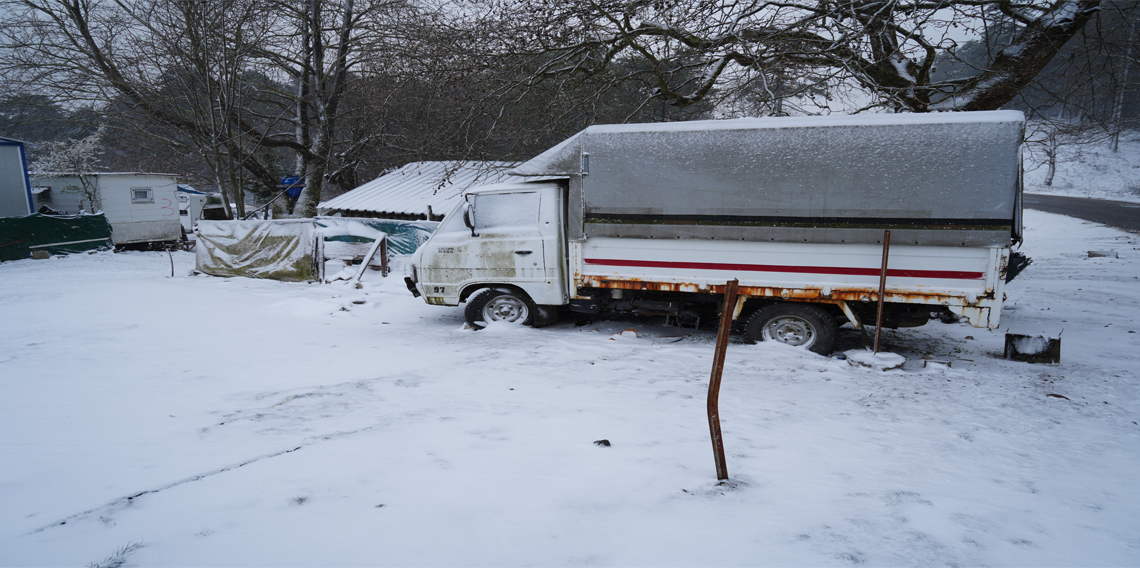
(544, 315)
(979, 317)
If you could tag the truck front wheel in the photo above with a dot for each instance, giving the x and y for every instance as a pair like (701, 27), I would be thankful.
(802, 325)
(498, 305)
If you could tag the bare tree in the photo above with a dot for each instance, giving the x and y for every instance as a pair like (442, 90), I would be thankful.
(884, 48)
(452, 92)
(1085, 96)
(78, 159)
(242, 83)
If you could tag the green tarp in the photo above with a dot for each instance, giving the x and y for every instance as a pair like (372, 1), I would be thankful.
(56, 234)
(404, 237)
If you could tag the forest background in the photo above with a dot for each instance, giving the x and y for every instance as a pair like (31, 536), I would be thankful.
(236, 94)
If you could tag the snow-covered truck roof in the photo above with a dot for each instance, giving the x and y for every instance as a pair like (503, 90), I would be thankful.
(950, 179)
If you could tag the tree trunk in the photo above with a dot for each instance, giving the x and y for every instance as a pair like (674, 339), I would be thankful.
(1121, 89)
(1051, 154)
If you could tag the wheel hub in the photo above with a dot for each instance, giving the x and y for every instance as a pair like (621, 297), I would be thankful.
(505, 308)
(790, 330)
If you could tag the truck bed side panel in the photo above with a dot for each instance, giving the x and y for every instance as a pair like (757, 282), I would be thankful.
(960, 277)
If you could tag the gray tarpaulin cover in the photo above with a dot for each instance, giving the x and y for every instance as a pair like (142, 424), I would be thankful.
(280, 249)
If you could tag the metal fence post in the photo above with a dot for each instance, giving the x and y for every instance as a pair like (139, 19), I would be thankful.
(882, 286)
(714, 382)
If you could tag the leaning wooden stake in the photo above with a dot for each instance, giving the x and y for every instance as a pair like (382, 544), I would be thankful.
(882, 286)
(380, 245)
(714, 381)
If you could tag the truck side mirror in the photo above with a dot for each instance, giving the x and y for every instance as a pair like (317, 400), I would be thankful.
(468, 219)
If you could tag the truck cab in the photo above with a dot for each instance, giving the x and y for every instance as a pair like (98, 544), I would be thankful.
(501, 240)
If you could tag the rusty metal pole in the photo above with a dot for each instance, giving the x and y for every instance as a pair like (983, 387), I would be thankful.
(714, 382)
(882, 286)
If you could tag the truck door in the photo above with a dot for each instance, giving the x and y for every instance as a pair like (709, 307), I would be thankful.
(508, 246)
(497, 237)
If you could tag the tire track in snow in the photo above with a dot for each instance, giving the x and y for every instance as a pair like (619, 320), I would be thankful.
(129, 499)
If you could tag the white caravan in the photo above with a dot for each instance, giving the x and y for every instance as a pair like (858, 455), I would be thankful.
(141, 207)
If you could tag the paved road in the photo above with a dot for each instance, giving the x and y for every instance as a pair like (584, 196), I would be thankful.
(1120, 214)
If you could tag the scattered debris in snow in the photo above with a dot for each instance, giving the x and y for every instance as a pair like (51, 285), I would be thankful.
(1033, 348)
(629, 332)
(877, 361)
(1103, 254)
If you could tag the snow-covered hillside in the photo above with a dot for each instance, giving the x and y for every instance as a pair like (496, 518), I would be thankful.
(1089, 170)
(204, 421)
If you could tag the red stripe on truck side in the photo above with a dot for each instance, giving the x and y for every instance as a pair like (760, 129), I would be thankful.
(847, 271)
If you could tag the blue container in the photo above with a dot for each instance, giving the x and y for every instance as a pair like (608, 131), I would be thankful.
(293, 186)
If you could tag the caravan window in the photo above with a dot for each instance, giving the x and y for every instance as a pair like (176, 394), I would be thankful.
(142, 195)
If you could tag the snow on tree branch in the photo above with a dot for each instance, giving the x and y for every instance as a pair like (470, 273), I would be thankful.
(887, 48)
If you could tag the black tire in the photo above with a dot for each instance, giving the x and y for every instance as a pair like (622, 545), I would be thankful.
(497, 304)
(802, 325)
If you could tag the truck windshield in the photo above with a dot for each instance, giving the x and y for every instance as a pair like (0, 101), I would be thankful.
(453, 222)
(504, 211)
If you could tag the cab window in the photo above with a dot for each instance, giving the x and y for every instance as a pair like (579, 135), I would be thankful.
(506, 211)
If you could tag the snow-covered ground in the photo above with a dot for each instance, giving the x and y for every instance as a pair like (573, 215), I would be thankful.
(1089, 170)
(205, 421)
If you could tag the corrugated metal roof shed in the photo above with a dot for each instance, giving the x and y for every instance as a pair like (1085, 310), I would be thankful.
(409, 192)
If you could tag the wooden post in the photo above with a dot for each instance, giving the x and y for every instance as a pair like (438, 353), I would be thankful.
(714, 382)
(377, 246)
(384, 257)
(319, 257)
(882, 286)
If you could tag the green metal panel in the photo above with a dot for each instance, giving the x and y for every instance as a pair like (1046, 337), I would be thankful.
(56, 234)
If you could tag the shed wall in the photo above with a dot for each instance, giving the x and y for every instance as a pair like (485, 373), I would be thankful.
(14, 196)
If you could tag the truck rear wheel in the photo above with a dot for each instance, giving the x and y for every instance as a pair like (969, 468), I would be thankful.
(498, 305)
(802, 325)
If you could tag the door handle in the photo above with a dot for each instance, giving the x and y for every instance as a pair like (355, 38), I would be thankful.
(523, 252)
